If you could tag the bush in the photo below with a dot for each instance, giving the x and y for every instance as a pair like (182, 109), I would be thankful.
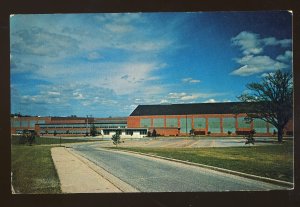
(208, 132)
(116, 139)
(229, 132)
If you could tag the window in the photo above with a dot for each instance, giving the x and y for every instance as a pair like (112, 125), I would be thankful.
(272, 128)
(199, 123)
(242, 123)
(16, 123)
(158, 122)
(260, 126)
(172, 122)
(229, 124)
(32, 123)
(24, 123)
(41, 121)
(143, 132)
(185, 125)
(145, 123)
(214, 125)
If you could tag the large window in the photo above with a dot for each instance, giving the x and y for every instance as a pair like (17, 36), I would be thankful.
(199, 123)
(214, 125)
(260, 126)
(242, 123)
(159, 122)
(185, 125)
(173, 122)
(24, 123)
(272, 128)
(32, 123)
(145, 123)
(229, 124)
(16, 123)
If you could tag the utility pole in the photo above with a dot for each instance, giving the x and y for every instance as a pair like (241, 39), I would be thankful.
(87, 122)
(186, 124)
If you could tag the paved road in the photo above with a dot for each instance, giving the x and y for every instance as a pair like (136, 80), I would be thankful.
(156, 175)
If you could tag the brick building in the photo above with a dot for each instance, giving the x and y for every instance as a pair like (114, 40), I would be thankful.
(216, 119)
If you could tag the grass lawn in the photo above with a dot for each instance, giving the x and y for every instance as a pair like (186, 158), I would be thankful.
(33, 169)
(49, 140)
(272, 161)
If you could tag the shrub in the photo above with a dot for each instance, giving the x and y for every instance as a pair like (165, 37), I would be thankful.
(116, 139)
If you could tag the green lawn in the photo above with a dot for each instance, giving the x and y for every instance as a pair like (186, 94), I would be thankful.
(49, 140)
(272, 161)
(33, 170)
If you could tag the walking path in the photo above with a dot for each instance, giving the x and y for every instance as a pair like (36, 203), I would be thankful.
(76, 176)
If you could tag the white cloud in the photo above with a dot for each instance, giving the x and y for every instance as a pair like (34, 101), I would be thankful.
(257, 64)
(251, 46)
(286, 57)
(190, 80)
(251, 43)
(248, 42)
(93, 56)
(182, 97)
(272, 41)
(210, 101)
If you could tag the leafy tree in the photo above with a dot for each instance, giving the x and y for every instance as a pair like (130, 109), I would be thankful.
(273, 99)
(55, 133)
(116, 138)
(93, 130)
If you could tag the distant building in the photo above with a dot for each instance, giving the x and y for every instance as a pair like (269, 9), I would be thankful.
(215, 119)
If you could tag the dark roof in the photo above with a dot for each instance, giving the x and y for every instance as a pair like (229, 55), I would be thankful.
(194, 108)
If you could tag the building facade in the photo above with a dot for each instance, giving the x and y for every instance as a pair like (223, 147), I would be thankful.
(215, 119)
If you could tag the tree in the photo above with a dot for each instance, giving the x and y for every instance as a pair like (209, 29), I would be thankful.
(55, 133)
(116, 138)
(273, 99)
(93, 130)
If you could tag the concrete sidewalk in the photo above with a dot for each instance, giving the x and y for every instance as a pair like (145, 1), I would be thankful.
(76, 176)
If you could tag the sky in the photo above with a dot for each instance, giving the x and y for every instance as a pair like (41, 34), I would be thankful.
(107, 64)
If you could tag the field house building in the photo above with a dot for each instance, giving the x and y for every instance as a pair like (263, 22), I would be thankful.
(213, 119)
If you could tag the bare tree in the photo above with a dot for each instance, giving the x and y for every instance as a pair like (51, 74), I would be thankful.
(274, 98)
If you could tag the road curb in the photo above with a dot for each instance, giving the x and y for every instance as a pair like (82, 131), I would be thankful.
(256, 177)
(123, 186)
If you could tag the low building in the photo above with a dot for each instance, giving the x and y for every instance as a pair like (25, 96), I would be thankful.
(215, 119)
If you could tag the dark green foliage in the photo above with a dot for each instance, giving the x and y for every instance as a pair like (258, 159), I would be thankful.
(116, 138)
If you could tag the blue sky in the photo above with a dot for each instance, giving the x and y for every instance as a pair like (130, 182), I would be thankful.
(107, 64)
